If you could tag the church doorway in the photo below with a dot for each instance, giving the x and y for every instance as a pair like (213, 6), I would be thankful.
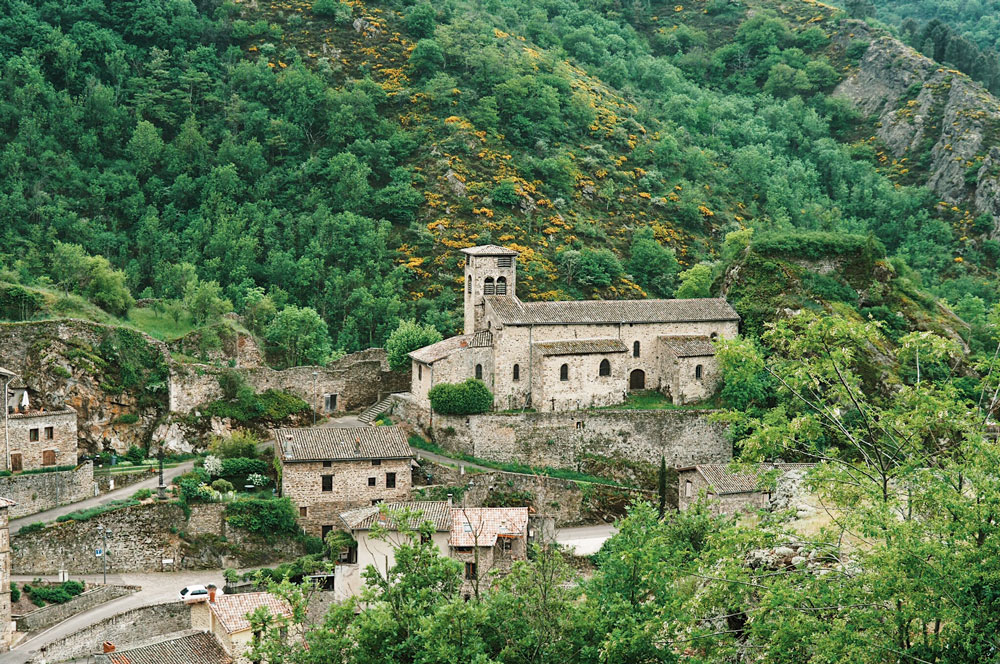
(637, 380)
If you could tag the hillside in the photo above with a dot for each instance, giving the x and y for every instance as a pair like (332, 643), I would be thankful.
(336, 155)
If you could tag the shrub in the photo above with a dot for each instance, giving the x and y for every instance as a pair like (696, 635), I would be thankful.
(59, 594)
(15, 592)
(817, 244)
(333, 8)
(193, 491)
(90, 513)
(241, 443)
(222, 486)
(135, 454)
(213, 465)
(505, 193)
(31, 528)
(142, 494)
(468, 398)
(238, 470)
(263, 516)
(127, 418)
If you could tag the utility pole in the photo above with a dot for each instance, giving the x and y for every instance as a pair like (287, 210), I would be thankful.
(315, 396)
(7, 377)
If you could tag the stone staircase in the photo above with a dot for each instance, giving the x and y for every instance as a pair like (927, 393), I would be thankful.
(372, 412)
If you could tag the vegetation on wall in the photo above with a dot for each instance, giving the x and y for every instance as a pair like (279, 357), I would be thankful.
(467, 398)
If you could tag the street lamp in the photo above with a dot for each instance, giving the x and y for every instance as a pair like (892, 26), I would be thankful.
(6, 377)
(162, 489)
(315, 396)
(104, 550)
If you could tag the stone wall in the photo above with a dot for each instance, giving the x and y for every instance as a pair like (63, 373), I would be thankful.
(51, 614)
(35, 433)
(142, 537)
(43, 491)
(358, 380)
(121, 480)
(121, 629)
(5, 556)
(560, 439)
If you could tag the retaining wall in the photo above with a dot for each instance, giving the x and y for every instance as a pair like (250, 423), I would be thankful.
(121, 479)
(43, 491)
(560, 439)
(51, 614)
(121, 629)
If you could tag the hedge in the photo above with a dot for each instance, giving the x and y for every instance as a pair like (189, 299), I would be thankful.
(468, 398)
(264, 516)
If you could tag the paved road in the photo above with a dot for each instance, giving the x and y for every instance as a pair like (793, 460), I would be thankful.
(156, 588)
(104, 498)
(448, 461)
(585, 540)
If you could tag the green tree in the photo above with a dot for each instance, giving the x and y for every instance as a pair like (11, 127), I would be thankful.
(420, 20)
(299, 335)
(426, 59)
(653, 266)
(408, 337)
(695, 282)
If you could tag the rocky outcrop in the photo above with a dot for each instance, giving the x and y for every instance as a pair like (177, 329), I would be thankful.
(935, 118)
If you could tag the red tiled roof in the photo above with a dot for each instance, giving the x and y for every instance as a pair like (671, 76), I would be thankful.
(329, 443)
(445, 347)
(231, 610)
(188, 647)
(363, 518)
(511, 311)
(481, 526)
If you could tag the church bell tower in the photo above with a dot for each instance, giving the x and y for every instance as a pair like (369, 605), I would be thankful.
(489, 270)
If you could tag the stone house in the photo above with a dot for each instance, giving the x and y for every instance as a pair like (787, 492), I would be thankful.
(328, 470)
(187, 647)
(568, 355)
(730, 491)
(487, 540)
(41, 438)
(225, 617)
(6, 629)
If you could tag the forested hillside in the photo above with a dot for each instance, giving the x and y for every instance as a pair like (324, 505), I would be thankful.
(320, 163)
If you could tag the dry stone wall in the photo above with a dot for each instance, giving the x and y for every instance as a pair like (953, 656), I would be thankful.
(561, 439)
(43, 491)
(51, 614)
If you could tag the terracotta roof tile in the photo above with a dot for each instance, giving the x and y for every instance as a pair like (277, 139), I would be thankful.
(6, 502)
(512, 311)
(724, 481)
(363, 518)
(489, 250)
(445, 347)
(581, 347)
(188, 647)
(481, 526)
(41, 413)
(329, 443)
(231, 610)
(689, 346)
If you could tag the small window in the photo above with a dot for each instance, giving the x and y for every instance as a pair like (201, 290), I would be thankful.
(49, 458)
(697, 372)
(376, 501)
(468, 284)
(327, 483)
(331, 402)
(328, 464)
(470, 571)
(489, 287)
(714, 336)
(49, 433)
(376, 462)
(605, 369)
(501, 285)
(506, 543)
(635, 349)
(327, 530)
(390, 480)
(688, 490)
(371, 481)
(517, 372)
(564, 372)
(420, 372)
(303, 511)
(505, 261)
(33, 435)
(463, 549)
(479, 372)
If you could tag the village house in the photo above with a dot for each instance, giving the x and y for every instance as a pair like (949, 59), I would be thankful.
(567, 355)
(487, 540)
(731, 491)
(225, 617)
(36, 437)
(190, 647)
(325, 471)
(6, 626)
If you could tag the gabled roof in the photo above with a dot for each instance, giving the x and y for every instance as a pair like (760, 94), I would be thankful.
(231, 610)
(512, 311)
(333, 444)
(7, 373)
(581, 347)
(363, 518)
(445, 347)
(489, 250)
(689, 346)
(725, 481)
(187, 647)
(481, 526)
(6, 502)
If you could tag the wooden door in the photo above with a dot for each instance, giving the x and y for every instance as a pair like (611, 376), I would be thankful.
(637, 380)
(15, 462)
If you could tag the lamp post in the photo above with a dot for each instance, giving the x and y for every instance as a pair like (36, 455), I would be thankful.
(315, 395)
(7, 377)
(104, 550)
(162, 489)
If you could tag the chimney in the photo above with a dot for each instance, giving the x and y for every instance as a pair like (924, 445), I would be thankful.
(211, 594)
(449, 500)
(108, 647)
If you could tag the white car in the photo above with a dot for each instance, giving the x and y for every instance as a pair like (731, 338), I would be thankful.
(196, 592)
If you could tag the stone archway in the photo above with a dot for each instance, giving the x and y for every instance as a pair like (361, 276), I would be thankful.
(637, 380)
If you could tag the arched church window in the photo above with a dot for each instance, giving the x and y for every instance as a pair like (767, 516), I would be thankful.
(489, 288)
(605, 369)
(479, 371)
(517, 372)
(420, 372)
(501, 285)
(635, 349)
(697, 372)
(564, 372)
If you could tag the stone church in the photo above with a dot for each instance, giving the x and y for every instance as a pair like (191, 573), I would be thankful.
(554, 356)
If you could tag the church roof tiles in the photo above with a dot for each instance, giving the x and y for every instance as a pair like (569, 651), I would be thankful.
(581, 347)
(489, 250)
(512, 311)
(689, 346)
(445, 347)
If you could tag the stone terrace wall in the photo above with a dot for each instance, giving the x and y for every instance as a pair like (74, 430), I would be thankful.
(358, 380)
(43, 491)
(51, 614)
(121, 479)
(558, 440)
(121, 629)
(142, 536)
